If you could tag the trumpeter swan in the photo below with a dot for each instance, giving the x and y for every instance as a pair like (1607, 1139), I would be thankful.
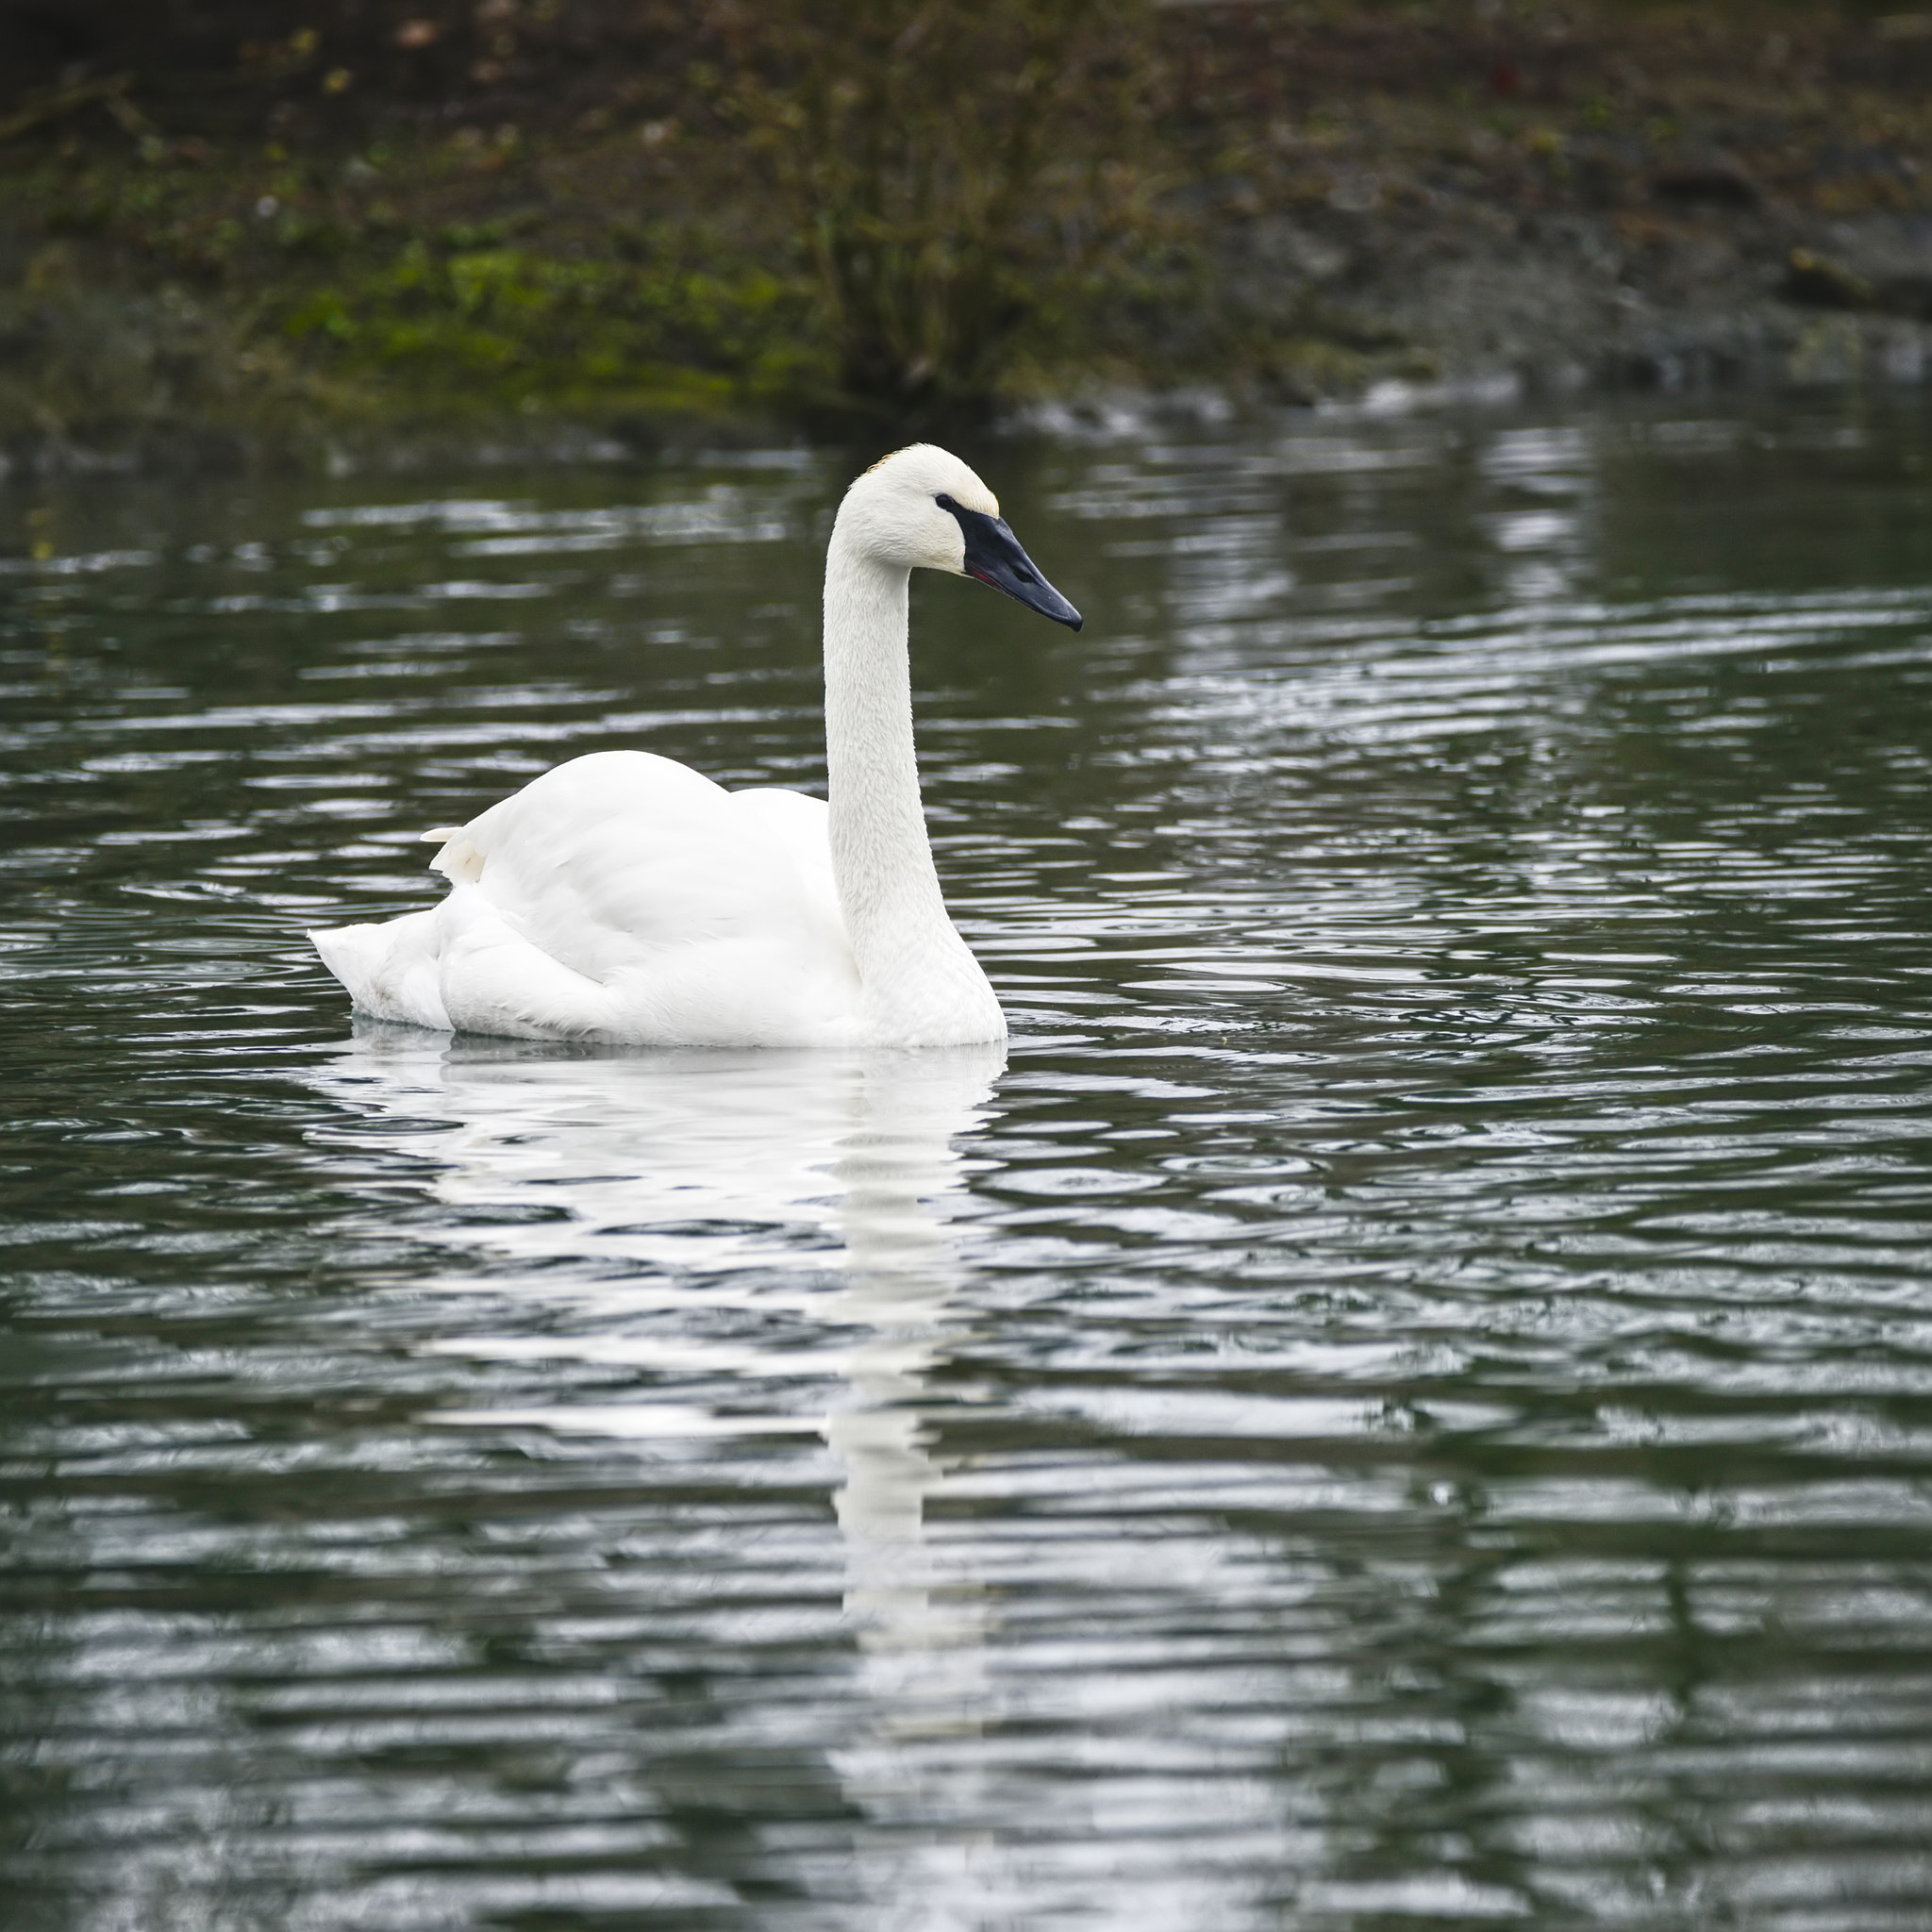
(621, 897)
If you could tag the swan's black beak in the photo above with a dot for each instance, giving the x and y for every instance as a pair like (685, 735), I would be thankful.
(994, 557)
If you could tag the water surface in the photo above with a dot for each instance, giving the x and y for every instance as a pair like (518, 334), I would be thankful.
(1404, 1397)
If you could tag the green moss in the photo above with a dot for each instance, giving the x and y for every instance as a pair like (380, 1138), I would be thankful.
(514, 325)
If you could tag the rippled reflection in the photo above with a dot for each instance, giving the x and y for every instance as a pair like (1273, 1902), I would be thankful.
(675, 1188)
(646, 1197)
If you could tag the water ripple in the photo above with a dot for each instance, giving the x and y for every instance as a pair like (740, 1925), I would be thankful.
(1407, 1394)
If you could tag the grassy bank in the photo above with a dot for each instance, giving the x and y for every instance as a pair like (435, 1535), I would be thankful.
(564, 219)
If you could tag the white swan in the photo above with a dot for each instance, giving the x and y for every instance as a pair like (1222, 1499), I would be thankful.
(623, 898)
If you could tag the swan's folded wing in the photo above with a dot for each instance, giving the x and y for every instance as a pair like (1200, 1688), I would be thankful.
(799, 826)
(683, 910)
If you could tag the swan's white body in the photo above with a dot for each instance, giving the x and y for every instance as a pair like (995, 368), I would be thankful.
(623, 897)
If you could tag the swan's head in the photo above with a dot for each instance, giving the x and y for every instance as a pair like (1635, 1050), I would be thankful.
(922, 509)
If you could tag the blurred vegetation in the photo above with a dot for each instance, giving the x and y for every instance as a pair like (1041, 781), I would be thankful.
(936, 155)
(279, 226)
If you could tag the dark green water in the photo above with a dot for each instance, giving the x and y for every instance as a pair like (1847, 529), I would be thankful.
(1406, 1400)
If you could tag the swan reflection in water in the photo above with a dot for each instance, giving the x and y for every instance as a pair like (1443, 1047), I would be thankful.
(650, 1191)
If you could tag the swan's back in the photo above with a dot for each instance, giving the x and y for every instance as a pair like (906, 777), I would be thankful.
(623, 898)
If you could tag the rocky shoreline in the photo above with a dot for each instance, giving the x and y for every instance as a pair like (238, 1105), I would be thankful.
(1297, 204)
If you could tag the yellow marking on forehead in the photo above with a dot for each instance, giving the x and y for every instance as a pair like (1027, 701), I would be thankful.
(975, 495)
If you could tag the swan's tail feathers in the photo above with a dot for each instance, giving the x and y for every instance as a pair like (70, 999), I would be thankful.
(439, 835)
(393, 971)
(457, 860)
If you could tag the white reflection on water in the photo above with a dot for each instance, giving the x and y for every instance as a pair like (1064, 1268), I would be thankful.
(634, 1192)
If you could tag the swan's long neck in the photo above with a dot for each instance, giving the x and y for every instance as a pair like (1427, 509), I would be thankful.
(916, 970)
(880, 854)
